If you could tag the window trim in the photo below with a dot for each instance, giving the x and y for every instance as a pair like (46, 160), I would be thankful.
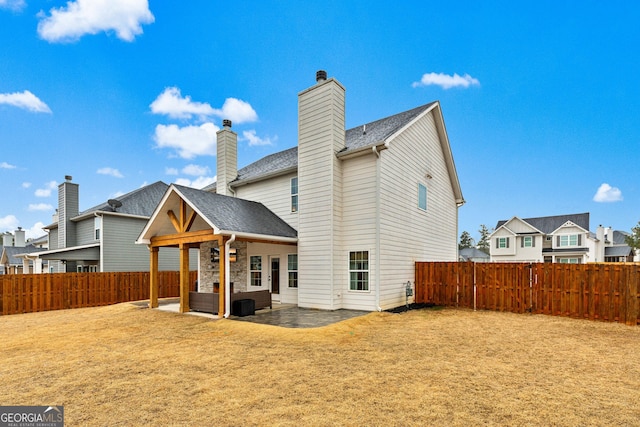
(422, 189)
(499, 243)
(292, 279)
(359, 277)
(294, 199)
(255, 273)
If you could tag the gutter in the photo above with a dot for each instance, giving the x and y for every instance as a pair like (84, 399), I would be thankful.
(227, 266)
(378, 219)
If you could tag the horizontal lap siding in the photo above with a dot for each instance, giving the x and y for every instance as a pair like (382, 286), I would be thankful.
(409, 234)
(85, 231)
(275, 194)
(320, 135)
(359, 226)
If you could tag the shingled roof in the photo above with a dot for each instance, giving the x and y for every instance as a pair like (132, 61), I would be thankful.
(140, 202)
(356, 138)
(548, 224)
(236, 215)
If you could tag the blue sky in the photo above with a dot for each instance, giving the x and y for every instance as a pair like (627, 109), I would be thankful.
(540, 99)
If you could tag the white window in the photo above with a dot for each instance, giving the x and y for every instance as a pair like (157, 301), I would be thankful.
(422, 196)
(255, 267)
(359, 271)
(569, 240)
(294, 194)
(502, 242)
(568, 260)
(97, 225)
(292, 267)
(528, 242)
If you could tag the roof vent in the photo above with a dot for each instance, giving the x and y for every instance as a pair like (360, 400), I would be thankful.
(226, 123)
(321, 76)
(114, 203)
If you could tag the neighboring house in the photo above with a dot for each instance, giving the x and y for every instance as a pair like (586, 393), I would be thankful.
(13, 253)
(102, 238)
(616, 249)
(349, 211)
(560, 238)
(473, 254)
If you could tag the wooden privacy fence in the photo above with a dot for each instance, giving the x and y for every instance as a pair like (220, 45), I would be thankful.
(608, 291)
(26, 293)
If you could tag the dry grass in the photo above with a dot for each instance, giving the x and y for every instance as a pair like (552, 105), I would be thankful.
(122, 365)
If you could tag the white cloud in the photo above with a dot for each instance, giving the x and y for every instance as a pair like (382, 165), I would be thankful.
(14, 5)
(80, 17)
(40, 207)
(195, 170)
(237, 110)
(25, 100)
(446, 81)
(171, 103)
(171, 171)
(200, 182)
(36, 231)
(188, 141)
(8, 223)
(110, 171)
(250, 135)
(5, 165)
(26, 184)
(46, 191)
(607, 194)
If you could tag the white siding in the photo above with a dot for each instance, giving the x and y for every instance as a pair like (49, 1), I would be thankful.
(359, 222)
(275, 194)
(321, 135)
(409, 234)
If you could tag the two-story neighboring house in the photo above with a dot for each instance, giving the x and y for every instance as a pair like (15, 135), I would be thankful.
(13, 253)
(347, 213)
(102, 238)
(560, 238)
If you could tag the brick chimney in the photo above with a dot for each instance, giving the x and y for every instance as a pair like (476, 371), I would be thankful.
(226, 158)
(321, 134)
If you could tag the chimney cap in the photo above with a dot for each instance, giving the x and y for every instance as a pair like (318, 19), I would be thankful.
(68, 177)
(321, 75)
(226, 123)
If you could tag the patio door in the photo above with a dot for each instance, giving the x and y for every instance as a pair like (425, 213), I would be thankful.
(275, 275)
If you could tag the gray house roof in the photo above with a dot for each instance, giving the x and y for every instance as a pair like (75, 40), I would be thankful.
(472, 253)
(8, 253)
(548, 224)
(232, 214)
(140, 202)
(356, 138)
(618, 251)
(619, 237)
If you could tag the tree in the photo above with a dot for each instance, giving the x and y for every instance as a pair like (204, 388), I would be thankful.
(466, 241)
(633, 240)
(483, 243)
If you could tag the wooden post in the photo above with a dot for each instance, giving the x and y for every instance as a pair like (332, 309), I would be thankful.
(153, 282)
(223, 275)
(184, 277)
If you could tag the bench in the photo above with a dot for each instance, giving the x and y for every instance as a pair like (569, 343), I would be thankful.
(208, 302)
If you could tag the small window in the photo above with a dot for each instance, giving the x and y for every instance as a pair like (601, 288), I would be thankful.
(294, 194)
(569, 240)
(97, 225)
(569, 261)
(255, 266)
(502, 242)
(527, 242)
(422, 196)
(292, 267)
(359, 271)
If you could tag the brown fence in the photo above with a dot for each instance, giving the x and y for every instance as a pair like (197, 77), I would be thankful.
(26, 293)
(608, 291)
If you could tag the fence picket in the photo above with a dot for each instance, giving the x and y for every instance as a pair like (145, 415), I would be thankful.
(603, 291)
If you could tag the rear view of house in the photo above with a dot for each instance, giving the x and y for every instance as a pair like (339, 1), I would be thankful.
(351, 210)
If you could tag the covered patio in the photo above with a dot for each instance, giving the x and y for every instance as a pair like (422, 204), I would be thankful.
(187, 218)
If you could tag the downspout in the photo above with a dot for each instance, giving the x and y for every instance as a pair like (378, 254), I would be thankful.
(227, 286)
(377, 153)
